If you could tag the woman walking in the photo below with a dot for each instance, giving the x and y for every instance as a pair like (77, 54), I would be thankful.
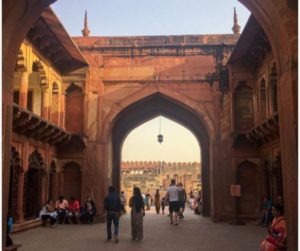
(137, 205)
(157, 201)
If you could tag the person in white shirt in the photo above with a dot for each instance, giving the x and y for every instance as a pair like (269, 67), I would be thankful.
(172, 197)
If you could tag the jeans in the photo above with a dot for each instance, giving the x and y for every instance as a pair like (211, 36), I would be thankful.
(112, 217)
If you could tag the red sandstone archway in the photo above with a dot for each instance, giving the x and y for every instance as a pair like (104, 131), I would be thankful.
(277, 18)
(150, 107)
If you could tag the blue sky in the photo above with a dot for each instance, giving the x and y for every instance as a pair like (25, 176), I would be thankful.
(145, 17)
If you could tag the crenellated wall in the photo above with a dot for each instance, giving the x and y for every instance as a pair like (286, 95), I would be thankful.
(152, 175)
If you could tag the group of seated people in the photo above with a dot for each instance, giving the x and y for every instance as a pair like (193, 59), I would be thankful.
(64, 211)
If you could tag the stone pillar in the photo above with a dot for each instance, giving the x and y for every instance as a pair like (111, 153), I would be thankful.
(45, 104)
(7, 101)
(62, 101)
(287, 107)
(55, 108)
(23, 89)
(20, 211)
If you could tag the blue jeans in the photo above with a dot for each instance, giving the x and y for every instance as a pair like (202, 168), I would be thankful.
(112, 217)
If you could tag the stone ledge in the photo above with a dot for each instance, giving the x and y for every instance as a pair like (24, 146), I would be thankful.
(18, 227)
(12, 247)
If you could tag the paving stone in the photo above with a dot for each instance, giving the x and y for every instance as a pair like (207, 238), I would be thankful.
(194, 233)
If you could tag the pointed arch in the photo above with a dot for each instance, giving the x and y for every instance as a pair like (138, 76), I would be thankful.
(33, 185)
(150, 90)
(72, 88)
(159, 104)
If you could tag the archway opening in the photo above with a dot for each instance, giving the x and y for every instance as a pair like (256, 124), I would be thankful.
(33, 185)
(151, 107)
(151, 164)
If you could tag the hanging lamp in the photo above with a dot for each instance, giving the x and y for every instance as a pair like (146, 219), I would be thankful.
(160, 137)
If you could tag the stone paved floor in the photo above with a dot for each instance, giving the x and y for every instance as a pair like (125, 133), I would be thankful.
(194, 233)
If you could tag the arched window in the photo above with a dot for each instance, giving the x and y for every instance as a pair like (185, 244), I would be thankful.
(33, 185)
(74, 109)
(262, 100)
(243, 108)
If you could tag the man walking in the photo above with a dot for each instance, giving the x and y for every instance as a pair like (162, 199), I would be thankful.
(173, 197)
(112, 206)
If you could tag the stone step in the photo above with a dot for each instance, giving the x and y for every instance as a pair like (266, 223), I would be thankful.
(21, 226)
(12, 247)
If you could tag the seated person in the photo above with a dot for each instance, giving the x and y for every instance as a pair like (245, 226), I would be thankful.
(276, 237)
(198, 203)
(48, 212)
(62, 209)
(74, 210)
(89, 210)
(266, 213)
(192, 202)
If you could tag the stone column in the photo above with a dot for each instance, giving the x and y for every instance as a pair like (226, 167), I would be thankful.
(20, 211)
(45, 104)
(55, 108)
(23, 89)
(62, 99)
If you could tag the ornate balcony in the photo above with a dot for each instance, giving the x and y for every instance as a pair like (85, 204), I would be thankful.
(264, 133)
(32, 126)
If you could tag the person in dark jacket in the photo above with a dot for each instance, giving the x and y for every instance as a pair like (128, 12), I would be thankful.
(112, 206)
(89, 210)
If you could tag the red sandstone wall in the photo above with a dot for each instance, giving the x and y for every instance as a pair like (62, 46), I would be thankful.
(74, 112)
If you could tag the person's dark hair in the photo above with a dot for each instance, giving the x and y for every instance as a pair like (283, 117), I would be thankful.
(61, 197)
(111, 189)
(72, 198)
(138, 201)
(48, 201)
(173, 182)
(279, 208)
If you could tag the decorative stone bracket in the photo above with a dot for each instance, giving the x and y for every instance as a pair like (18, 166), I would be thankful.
(32, 126)
(266, 132)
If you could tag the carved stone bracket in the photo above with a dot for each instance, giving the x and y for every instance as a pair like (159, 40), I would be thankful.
(32, 126)
(266, 132)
